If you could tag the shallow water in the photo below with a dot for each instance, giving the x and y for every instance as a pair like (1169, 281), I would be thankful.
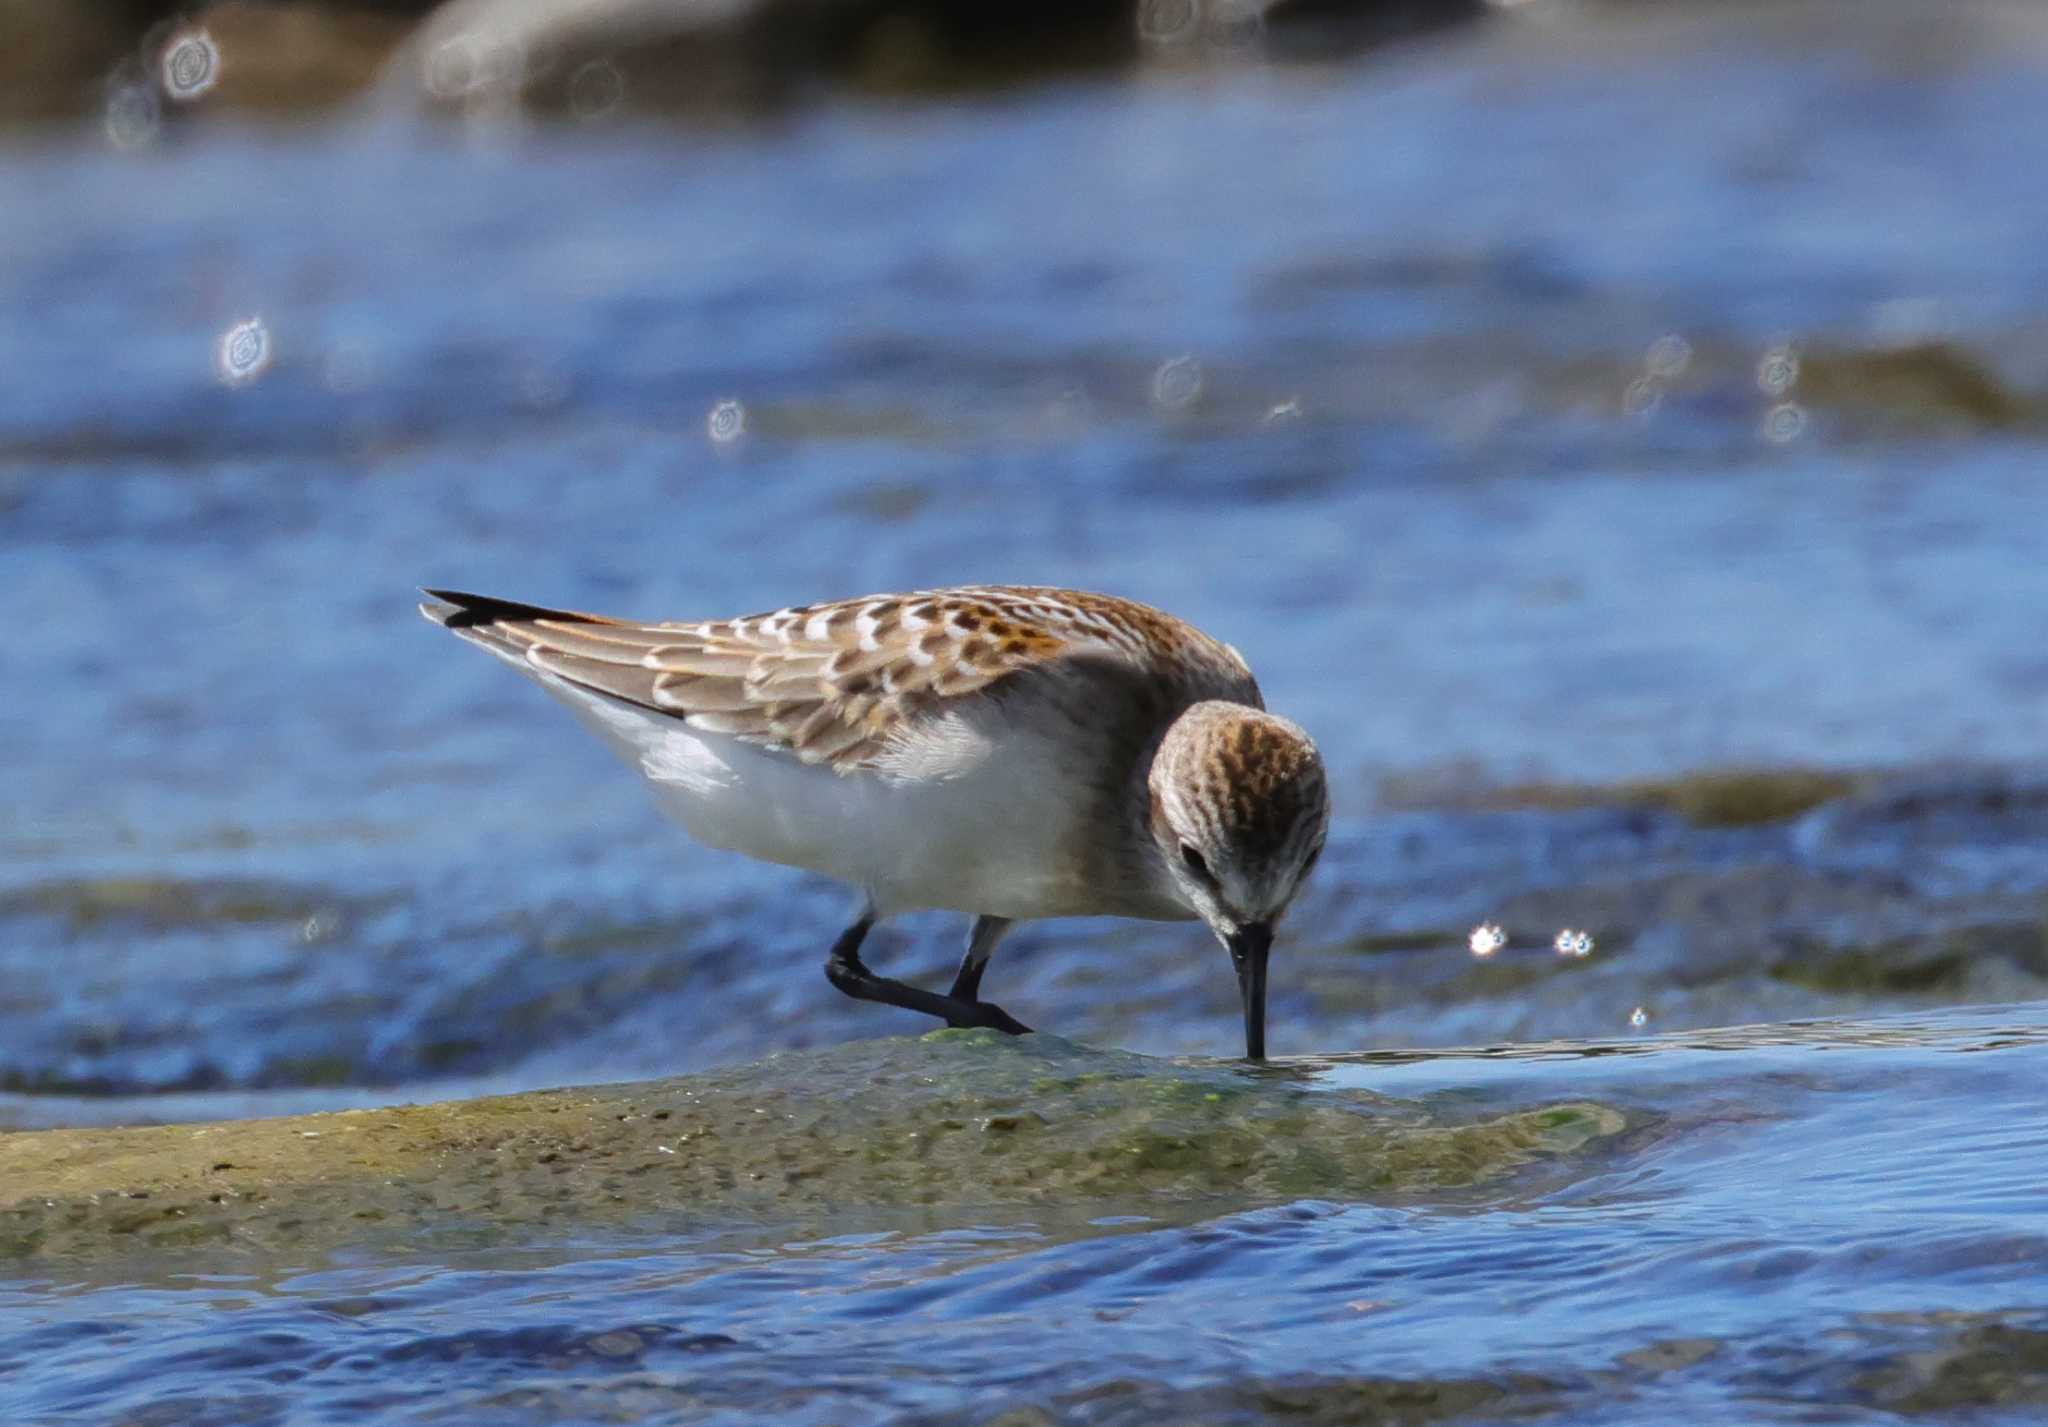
(1355, 367)
(1824, 1222)
(373, 859)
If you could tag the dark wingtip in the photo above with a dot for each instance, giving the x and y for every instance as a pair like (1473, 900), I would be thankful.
(439, 608)
(454, 609)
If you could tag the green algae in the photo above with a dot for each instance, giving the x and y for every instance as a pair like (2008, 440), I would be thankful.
(1939, 1366)
(1976, 1363)
(1918, 386)
(1939, 961)
(170, 903)
(1724, 797)
(954, 1119)
(1345, 1402)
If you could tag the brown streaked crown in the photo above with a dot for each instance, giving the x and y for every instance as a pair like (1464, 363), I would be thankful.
(1271, 785)
(1246, 784)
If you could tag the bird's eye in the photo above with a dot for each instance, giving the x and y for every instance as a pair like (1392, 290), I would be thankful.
(1309, 864)
(1196, 864)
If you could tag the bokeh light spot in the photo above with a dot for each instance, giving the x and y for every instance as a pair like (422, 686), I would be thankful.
(596, 90)
(728, 420)
(1784, 423)
(1162, 22)
(1177, 383)
(1777, 371)
(1668, 357)
(243, 352)
(1573, 943)
(133, 116)
(190, 65)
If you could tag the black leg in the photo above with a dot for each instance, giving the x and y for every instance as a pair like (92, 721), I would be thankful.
(980, 943)
(850, 974)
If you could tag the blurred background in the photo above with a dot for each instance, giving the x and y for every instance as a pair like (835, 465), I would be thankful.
(1615, 429)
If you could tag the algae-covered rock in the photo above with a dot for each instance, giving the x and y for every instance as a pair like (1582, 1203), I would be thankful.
(165, 903)
(1713, 798)
(1978, 1363)
(1921, 385)
(1298, 1402)
(1933, 1365)
(958, 1118)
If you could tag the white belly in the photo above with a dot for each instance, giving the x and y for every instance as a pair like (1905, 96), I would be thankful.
(964, 826)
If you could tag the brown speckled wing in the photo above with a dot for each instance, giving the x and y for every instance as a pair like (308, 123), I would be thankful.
(833, 683)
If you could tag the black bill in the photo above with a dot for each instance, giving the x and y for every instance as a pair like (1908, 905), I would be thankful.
(1248, 950)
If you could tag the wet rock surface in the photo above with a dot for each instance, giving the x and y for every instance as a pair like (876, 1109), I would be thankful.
(909, 1251)
(1960, 1363)
(1916, 1366)
(956, 1119)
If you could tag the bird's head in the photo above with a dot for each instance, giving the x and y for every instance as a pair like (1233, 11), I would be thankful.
(1240, 809)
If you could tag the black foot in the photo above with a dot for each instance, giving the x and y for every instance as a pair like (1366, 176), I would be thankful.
(986, 1013)
(850, 974)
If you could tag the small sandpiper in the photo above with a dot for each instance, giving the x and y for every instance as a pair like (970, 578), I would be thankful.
(1008, 751)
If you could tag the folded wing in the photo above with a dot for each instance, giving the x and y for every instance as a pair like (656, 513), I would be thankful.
(829, 683)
